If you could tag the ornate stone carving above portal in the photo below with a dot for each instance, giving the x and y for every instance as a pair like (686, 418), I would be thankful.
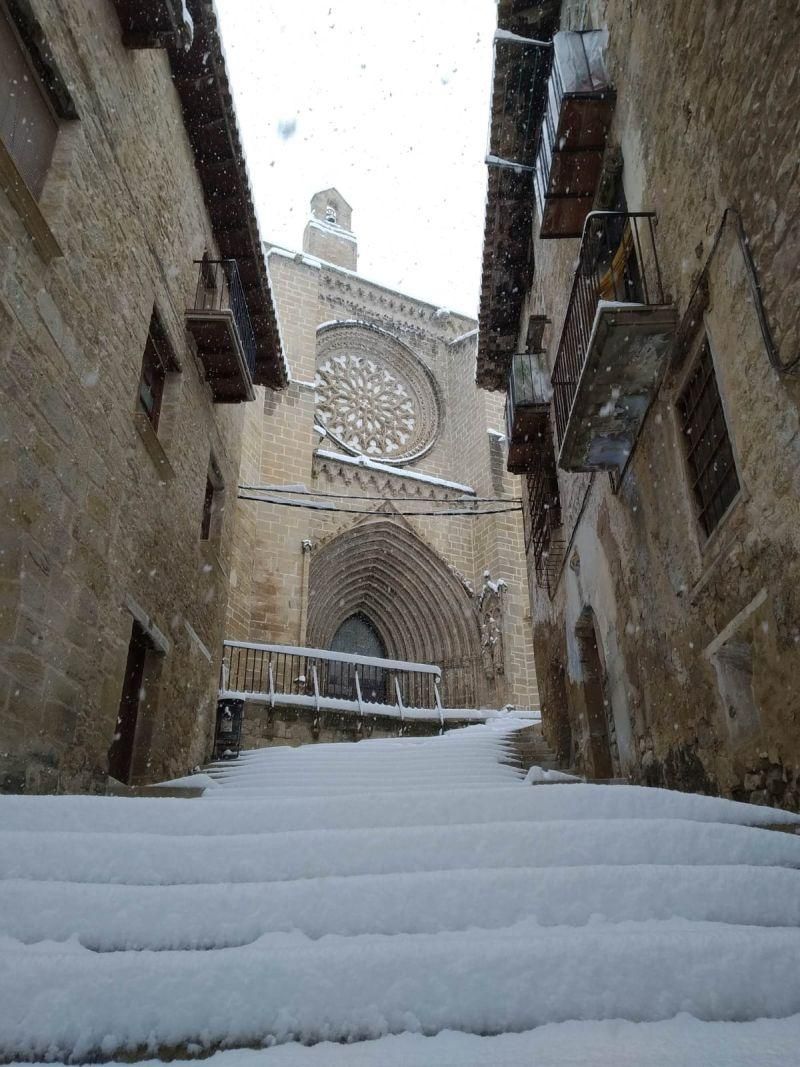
(490, 612)
(375, 398)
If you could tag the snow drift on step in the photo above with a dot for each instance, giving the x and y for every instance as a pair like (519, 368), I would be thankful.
(437, 807)
(148, 859)
(68, 1001)
(680, 1042)
(118, 917)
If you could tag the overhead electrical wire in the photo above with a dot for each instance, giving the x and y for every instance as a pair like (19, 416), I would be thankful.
(315, 505)
(301, 490)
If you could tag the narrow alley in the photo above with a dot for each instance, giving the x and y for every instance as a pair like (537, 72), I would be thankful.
(400, 533)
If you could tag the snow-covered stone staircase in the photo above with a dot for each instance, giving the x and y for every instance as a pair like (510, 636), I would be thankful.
(530, 749)
(406, 901)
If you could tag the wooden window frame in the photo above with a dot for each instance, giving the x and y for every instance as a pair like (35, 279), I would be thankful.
(208, 511)
(708, 403)
(44, 80)
(158, 360)
(212, 503)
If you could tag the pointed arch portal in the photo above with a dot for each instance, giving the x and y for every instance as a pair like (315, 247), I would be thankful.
(420, 610)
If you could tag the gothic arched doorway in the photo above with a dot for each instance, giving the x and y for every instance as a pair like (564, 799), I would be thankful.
(357, 636)
(382, 571)
(602, 733)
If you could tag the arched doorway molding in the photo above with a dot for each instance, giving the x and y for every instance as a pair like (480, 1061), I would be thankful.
(419, 606)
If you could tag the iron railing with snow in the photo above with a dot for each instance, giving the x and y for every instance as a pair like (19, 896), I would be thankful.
(220, 323)
(314, 678)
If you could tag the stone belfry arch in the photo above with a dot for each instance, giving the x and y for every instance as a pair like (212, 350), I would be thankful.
(420, 607)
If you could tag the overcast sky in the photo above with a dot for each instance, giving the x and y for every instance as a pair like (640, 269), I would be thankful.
(389, 102)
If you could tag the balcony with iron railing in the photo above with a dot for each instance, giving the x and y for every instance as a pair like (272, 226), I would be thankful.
(618, 330)
(527, 410)
(219, 321)
(577, 116)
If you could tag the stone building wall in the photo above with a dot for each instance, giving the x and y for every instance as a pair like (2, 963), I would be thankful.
(264, 727)
(707, 119)
(278, 598)
(101, 517)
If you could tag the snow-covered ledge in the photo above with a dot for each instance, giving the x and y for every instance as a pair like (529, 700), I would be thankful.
(385, 468)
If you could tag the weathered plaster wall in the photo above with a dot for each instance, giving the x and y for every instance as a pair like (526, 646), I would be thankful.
(707, 118)
(263, 727)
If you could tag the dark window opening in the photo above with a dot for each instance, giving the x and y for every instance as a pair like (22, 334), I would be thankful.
(712, 470)
(156, 362)
(357, 635)
(120, 754)
(28, 125)
(208, 272)
(212, 502)
(208, 510)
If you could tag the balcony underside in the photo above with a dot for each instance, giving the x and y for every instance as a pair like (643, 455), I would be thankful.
(221, 353)
(570, 192)
(153, 24)
(627, 353)
(530, 432)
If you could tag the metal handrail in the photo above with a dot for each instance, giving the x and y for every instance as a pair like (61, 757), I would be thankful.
(342, 657)
(320, 678)
(617, 262)
(219, 288)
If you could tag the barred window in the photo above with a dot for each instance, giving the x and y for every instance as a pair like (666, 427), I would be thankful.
(712, 469)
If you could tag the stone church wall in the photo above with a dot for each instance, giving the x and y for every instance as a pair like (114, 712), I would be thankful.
(275, 596)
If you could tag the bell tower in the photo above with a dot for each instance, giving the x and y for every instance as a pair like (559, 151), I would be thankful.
(328, 235)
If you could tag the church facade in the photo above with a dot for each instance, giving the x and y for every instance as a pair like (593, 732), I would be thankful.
(380, 430)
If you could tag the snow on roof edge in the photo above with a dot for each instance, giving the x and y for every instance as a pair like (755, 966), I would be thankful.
(315, 261)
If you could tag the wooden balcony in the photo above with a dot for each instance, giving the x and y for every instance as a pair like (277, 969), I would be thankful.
(154, 24)
(580, 105)
(527, 411)
(618, 332)
(220, 324)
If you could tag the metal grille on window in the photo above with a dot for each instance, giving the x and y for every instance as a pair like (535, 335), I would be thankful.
(541, 515)
(708, 447)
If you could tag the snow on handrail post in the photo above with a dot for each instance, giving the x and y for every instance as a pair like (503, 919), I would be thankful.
(358, 696)
(399, 698)
(271, 686)
(315, 680)
(438, 704)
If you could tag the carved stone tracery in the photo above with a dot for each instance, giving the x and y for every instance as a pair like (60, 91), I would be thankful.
(490, 611)
(374, 396)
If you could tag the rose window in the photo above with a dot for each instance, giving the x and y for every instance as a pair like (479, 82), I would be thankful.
(373, 396)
